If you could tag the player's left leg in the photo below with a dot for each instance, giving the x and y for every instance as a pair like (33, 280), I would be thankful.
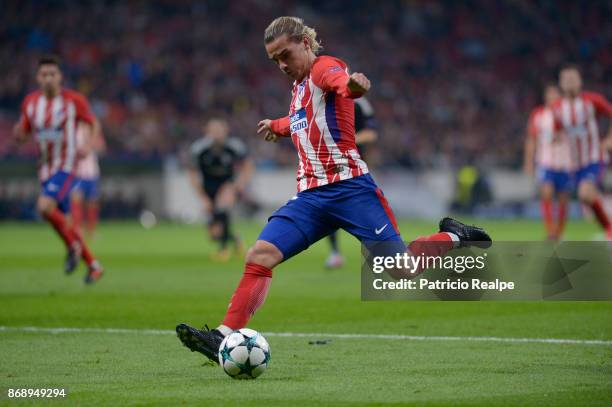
(224, 202)
(92, 206)
(335, 260)
(76, 206)
(372, 221)
(588, 193)
(563, 185)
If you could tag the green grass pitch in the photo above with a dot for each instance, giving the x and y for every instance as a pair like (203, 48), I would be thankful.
(159, 277)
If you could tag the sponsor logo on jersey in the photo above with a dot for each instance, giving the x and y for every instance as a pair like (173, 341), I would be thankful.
(298, 121)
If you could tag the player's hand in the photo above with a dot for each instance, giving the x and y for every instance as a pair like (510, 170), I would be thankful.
(529, 169)
(82, 152)
(358, 83)
(264, 129)
(20, 135)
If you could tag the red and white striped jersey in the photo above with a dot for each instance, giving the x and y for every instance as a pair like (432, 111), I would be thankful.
(321, 123)
(87, 167)
(551, 153)
(577, 117)
(53, 123)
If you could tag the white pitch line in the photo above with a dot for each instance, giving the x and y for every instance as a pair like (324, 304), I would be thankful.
(556, 341)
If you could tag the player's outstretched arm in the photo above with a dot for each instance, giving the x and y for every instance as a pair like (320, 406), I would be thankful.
(271, 130)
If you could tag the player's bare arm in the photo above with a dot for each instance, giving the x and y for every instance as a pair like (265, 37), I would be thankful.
(246, 170)
(20, 133)
(529, 155)
(196, 183)
(264, 129)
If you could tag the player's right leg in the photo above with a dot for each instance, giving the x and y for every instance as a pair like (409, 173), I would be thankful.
(547, 195)
(289, 231)
(589, 179)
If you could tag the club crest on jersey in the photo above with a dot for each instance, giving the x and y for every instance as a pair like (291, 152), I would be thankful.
(298, 121)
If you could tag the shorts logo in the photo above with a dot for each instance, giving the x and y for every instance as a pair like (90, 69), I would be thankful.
(53, 187)
(379, 231)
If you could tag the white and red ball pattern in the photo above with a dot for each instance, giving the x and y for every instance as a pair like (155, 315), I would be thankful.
(244, 354)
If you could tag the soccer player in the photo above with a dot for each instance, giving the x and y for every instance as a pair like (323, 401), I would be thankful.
(84, 197)
(51, 114)
(216, 157)
(366, 133)
(553, 161)
(334, 187)
(575, 117)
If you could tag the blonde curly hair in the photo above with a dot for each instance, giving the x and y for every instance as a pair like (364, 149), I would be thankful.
(295, 29)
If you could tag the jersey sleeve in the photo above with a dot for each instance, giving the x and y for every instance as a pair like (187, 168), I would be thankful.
(330, 74)
(601, 105)
(83, 111)
(280, 126)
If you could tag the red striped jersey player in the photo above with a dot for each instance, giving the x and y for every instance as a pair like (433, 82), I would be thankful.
(51, 115)
(576, 114)
(553, 160)
(335, 190)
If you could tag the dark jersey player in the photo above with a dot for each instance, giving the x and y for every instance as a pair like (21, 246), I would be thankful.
(220, 169)
(335, 190)
(366, 133)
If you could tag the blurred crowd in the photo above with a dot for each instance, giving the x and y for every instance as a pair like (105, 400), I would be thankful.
(453, 81)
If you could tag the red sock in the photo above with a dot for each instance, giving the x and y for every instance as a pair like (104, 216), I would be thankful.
(437, 244)
(85, 252)
(561, 217)
(58, 221)
(249, 296)
(600, 214)
(76, 211)
(92, 216)
(547, 216)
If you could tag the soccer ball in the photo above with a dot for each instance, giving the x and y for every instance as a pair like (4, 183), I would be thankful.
(244, 354)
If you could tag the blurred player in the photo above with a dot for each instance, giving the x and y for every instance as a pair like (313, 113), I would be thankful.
(216, 157)
(51, 114)
(334, 187)
(84, 197)
(365, 134)
(553, 161)
(576, 116)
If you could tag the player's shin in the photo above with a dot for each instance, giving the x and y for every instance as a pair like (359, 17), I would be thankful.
(57, 219)
(249, 296)
(547, 216)
(600, 213)
(92, 216)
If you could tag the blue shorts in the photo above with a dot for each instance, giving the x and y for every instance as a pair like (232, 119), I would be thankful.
(356, 205)
(89, 188)
(592, 172)
(560, 180)
(58, 186)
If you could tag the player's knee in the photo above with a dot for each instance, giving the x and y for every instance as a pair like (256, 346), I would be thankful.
(547, 191)
(587, 193)
(264, 253)
(45, 206)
